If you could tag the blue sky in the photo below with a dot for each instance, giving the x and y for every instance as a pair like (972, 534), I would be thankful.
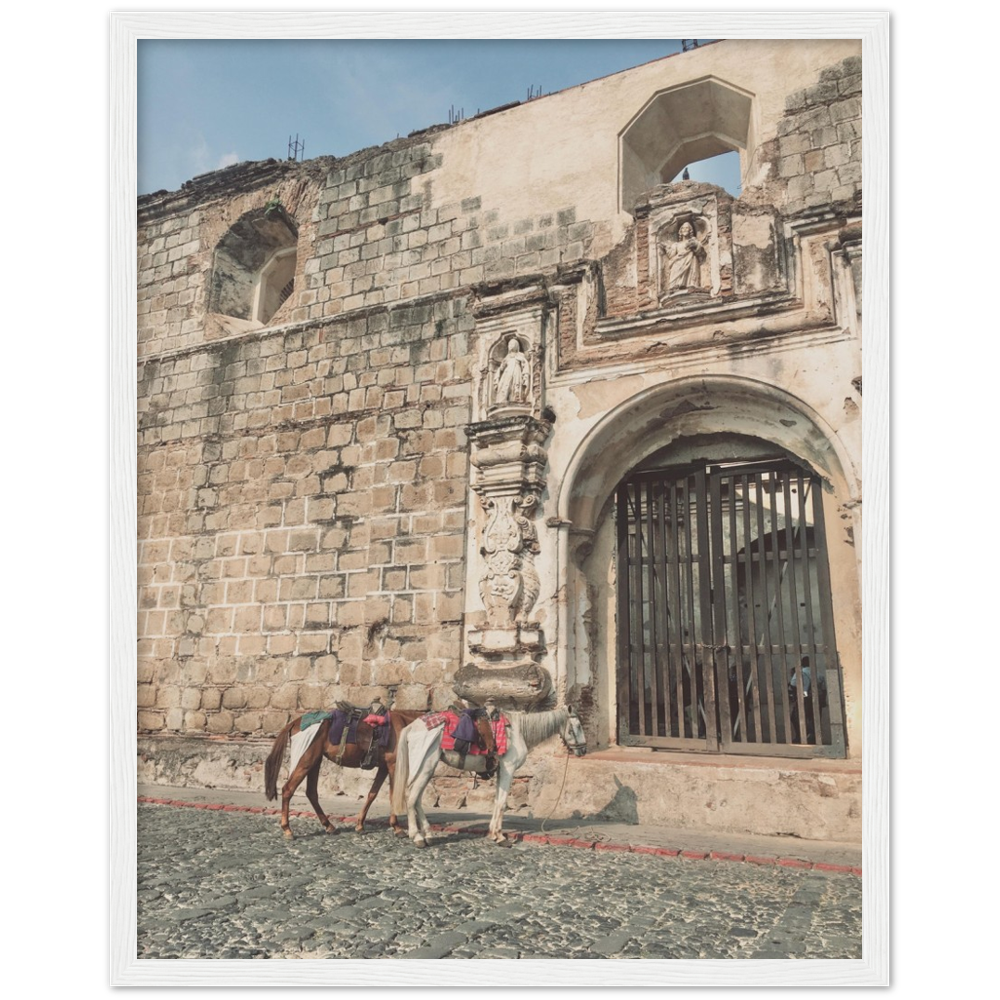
(205, 104)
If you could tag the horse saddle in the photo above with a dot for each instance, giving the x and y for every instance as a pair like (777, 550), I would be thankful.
(365, 728)
(461, 735)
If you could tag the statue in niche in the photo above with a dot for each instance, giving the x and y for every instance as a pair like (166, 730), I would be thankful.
(683, 262)
(513, 377)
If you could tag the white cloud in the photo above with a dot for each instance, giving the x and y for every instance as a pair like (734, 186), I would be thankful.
(227, 160)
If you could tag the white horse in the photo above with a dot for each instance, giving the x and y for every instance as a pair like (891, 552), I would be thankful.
(419, 751)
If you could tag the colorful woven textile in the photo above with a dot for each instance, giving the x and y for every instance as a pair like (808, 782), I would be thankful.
(499, 727)
(452, 722)
(312, 718)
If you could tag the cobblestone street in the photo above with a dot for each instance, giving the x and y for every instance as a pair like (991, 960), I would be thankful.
(216, 884)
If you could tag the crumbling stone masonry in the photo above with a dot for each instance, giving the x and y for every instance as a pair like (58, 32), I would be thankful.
(386, 401)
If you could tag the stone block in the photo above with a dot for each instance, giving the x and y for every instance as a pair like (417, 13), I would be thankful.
(220, 722)
(312, 697)
(258, 697)
(285, 697)
(168, 696)
(191, 698)
(151, 720)
(273, 721)
(195, 721)
(233, 698)
(211, 699)
(250, 722)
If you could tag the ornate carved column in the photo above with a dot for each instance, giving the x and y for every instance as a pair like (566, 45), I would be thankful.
(504, 639)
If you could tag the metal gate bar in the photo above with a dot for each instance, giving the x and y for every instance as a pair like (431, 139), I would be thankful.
(723, 581)
(779, 602)
(655, 600)
(836, 734)
(766, 645)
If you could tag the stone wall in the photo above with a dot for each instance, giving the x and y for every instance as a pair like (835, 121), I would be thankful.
(302, 520)
(309, 523)
(817, 150)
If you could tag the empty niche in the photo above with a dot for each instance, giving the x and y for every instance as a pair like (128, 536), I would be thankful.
(688, 126)
(253, 272)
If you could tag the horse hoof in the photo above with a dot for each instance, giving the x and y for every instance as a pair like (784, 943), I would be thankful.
(419, 842)
(288, 834)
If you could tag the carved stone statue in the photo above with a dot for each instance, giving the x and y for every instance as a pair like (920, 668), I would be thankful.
(683, 262)
(512, 379)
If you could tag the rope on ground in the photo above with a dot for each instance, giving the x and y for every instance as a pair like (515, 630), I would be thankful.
(559, 796)
(591, 833)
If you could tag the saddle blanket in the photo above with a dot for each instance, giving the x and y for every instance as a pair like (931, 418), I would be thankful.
(301, 741)
(462, 727)
(311, 721)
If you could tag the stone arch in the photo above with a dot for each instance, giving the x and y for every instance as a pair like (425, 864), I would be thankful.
(663, 419)
(717, 405)
(682, 125)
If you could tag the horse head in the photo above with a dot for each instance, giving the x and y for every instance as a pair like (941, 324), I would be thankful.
(573, 735)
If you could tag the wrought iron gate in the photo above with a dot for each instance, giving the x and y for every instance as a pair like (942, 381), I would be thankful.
(725, 624)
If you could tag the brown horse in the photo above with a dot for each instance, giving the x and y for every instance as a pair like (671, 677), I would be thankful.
(349, 755)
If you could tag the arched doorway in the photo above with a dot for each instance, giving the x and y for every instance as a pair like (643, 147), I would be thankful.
(725, 630)
(686, 506)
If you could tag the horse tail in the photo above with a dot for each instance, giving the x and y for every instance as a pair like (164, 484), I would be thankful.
(272, 767)
(401, 777)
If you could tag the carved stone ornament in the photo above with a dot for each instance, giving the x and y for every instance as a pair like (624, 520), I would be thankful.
(510, 349)
(684, 265)
(509, 461)
(518, 685)
(509, 585)
(510, 378)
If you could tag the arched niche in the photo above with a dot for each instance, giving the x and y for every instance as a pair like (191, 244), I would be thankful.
(254, 262)
(679, 126)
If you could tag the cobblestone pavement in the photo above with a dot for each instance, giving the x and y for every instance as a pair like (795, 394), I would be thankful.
(228, 885)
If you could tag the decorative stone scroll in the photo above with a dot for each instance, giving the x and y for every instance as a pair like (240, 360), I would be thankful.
(509, 587)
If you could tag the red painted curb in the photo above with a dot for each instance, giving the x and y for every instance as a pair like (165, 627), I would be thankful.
(531, 838)
(726, 856)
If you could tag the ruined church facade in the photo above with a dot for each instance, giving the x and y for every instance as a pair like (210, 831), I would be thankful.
(501, 410)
